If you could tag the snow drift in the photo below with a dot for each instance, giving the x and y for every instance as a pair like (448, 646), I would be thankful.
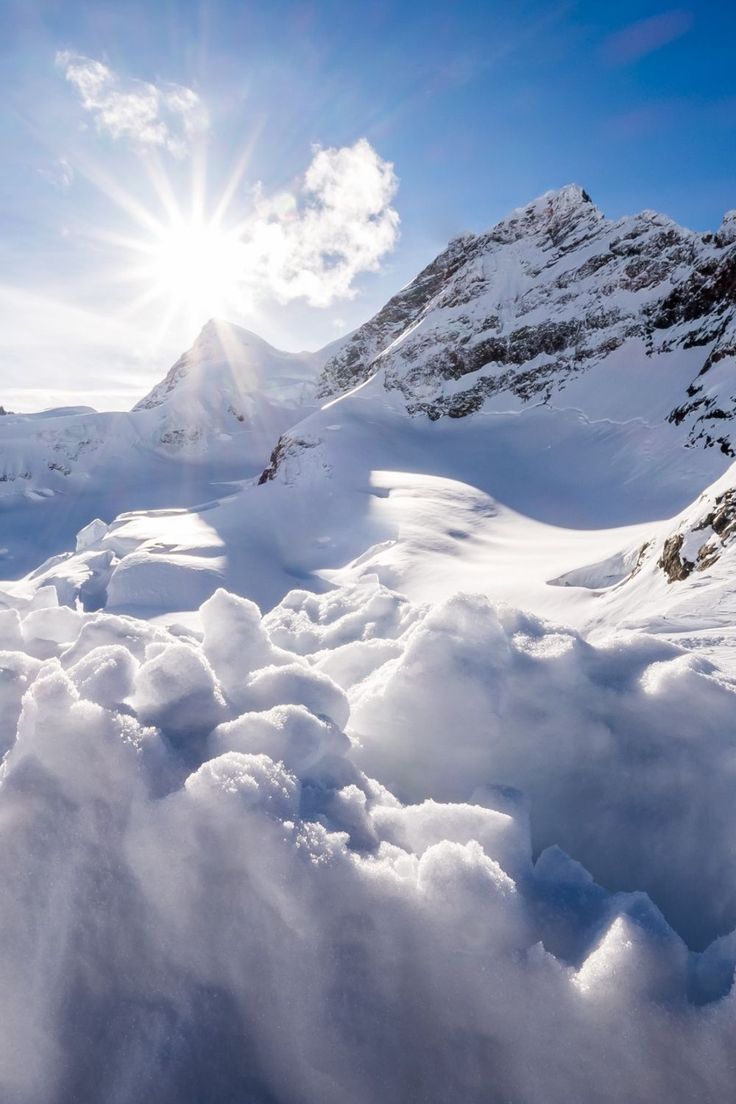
(214, 887)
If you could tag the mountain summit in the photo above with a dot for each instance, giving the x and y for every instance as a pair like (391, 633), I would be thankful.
(230, 364)
(557, 297)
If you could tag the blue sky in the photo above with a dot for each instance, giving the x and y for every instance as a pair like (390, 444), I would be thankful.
(479, 107)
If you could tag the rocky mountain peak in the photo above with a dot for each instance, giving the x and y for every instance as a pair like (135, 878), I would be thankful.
(550, 217)
(727, 231)
(551, 292)
(572, 199)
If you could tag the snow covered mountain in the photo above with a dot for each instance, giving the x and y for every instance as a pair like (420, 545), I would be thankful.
(451, 815)
(557, 303)
(231, 383)
(551, 342)
(225, 398)
(213, 419)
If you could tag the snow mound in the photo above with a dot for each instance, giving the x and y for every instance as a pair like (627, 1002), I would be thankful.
(228, 875)
(607, 573)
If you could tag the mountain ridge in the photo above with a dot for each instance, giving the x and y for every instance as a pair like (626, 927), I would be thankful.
(580, 436)
(549, 292)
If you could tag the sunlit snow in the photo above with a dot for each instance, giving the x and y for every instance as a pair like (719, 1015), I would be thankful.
(368, 723)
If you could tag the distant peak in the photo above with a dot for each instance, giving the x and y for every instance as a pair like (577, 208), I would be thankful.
(210, 333)
(217, 330)
(727, 230)
(560, 200)
(213, 328)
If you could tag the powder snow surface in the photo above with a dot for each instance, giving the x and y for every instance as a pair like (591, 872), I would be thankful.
(289, 858)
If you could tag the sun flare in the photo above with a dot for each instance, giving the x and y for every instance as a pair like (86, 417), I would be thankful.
(186, 254)
(195, 266)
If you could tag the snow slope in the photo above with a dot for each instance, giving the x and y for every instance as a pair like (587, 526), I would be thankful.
(213, 419)
(676, 578)
(449, 817)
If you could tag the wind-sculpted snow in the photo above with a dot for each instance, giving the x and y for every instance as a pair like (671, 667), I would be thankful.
(289, 859)
(674, 578)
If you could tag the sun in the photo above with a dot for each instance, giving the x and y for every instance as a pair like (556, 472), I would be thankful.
(197, 266)
(189, 259)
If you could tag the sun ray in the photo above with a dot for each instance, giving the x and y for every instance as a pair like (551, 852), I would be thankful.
(199, 183)
(163, 187)
(235, 178)
(181, 250)
(115, 192)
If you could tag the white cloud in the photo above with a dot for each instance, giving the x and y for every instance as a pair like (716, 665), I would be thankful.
(313, 242)
(146, 114)
(60, 174)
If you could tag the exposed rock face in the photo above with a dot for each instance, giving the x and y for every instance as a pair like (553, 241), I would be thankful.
(722, 517)
(704, 533)
(548, 293)
(672, 562)
(289, 447)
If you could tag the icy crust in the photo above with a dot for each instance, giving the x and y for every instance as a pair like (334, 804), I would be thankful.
(288, 859)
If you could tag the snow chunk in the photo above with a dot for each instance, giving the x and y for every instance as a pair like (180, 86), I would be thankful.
(11, 635)
(91, 534)
(449, 685)
(17, 672)
(254, 781)
(177, 691)
(236, 642)
(105, 675)
(306, 623)
(107, 628)
(299, 685)
(56, 625)
(288, 733)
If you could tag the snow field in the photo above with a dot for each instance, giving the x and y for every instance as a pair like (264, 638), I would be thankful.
(315, 857)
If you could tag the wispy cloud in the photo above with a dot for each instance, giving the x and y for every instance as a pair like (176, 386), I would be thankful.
(60, 174)
(148, 115)
(645, 36)
(313, 241)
